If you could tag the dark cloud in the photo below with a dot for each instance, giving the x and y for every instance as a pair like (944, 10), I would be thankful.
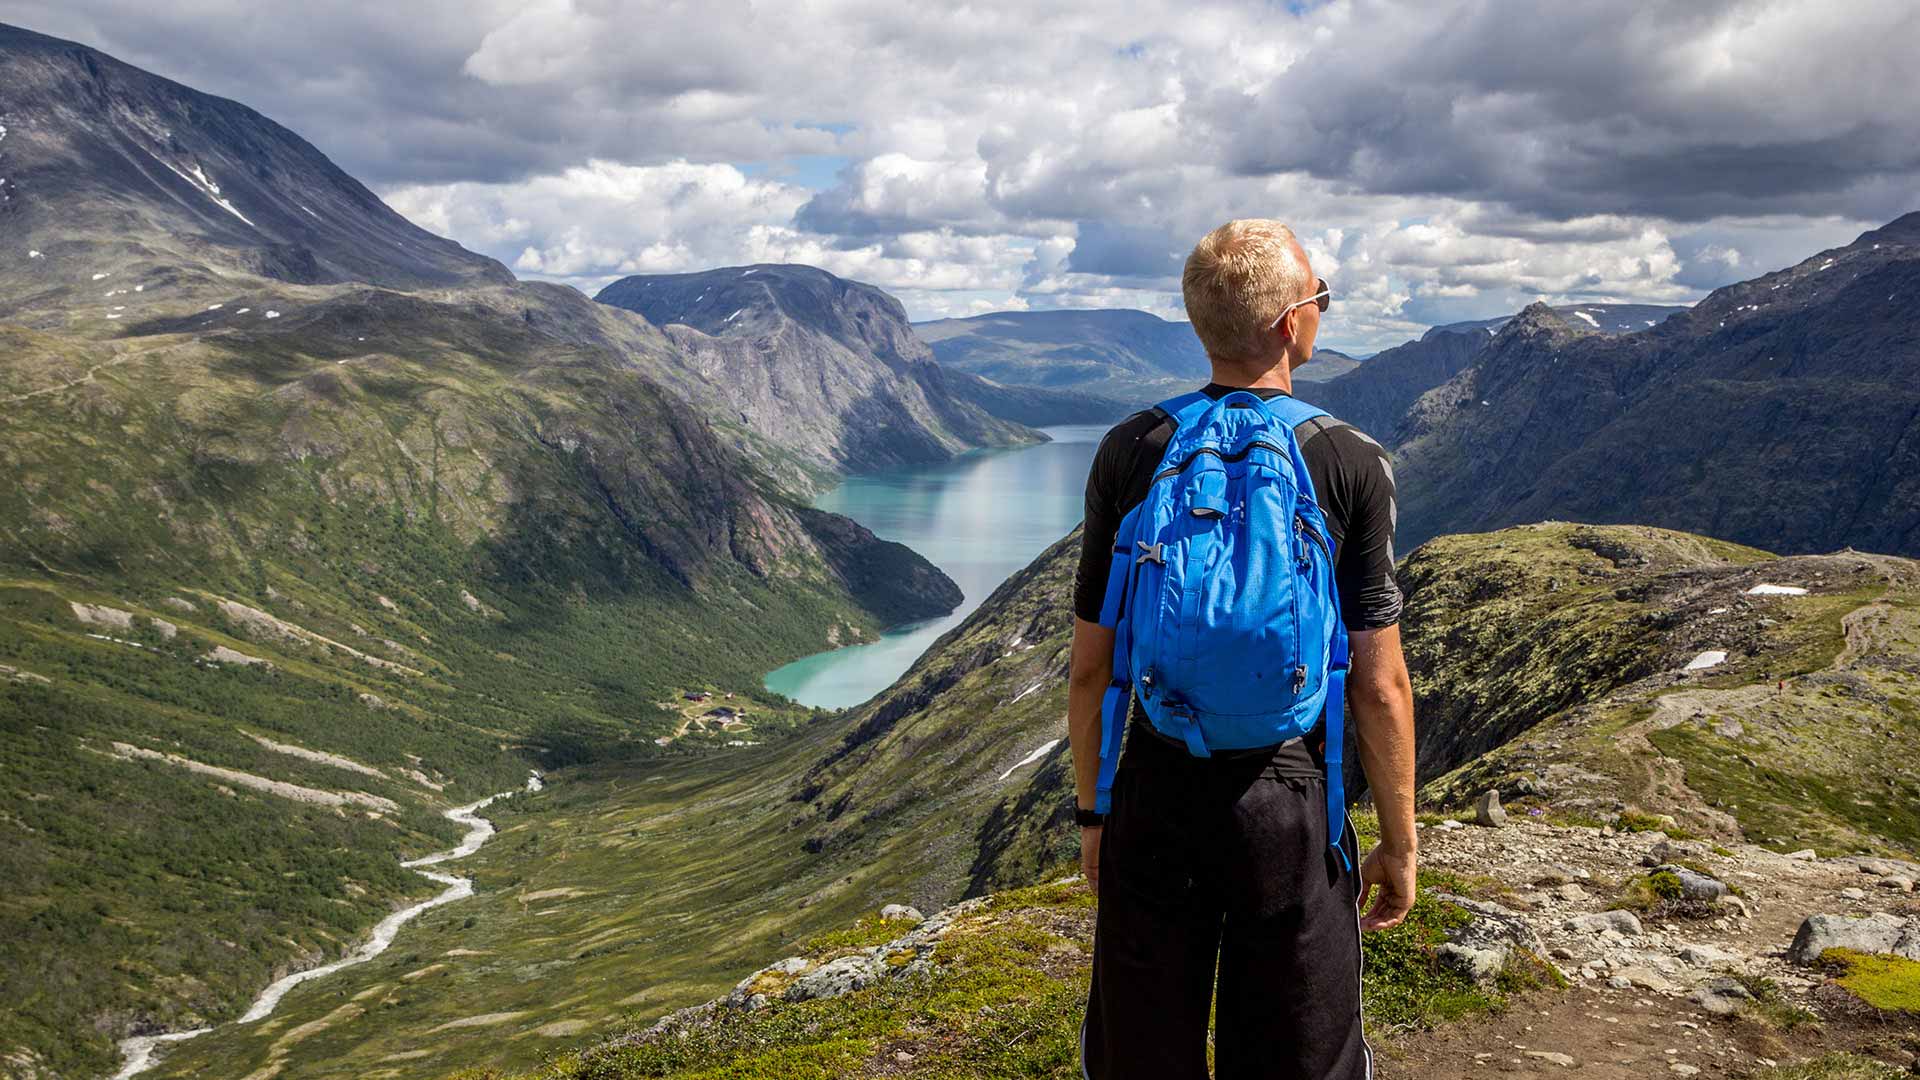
(1683, 109)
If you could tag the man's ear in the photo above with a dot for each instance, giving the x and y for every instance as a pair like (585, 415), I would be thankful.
(1285, 326)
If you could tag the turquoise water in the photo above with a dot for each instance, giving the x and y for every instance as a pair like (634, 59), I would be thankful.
(979, 517)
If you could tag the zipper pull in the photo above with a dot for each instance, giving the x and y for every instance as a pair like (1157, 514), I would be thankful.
(1300, 543)
(1300, 678)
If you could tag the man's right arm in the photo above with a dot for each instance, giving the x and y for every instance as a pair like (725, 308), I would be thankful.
(1090, 673)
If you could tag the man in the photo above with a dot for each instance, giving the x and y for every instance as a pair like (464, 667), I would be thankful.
(1222, 864)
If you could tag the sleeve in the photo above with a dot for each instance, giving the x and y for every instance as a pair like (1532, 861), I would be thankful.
(1364, 513)
(1102, 522)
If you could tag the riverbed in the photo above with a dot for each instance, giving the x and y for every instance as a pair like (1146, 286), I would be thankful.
(142, 1052)
(979, 517)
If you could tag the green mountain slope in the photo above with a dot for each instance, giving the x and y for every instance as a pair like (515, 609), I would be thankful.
(291, 563)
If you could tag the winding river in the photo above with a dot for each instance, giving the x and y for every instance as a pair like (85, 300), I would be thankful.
(980, 517)
(142, 1052)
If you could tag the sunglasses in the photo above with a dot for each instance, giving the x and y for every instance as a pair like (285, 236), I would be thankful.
(1321, 300)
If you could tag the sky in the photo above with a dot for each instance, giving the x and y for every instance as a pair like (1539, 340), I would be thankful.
(1439, 159)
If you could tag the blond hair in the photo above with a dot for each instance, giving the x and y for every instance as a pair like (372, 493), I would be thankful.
(1236, 282)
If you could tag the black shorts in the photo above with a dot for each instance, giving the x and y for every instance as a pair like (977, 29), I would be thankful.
(1222, 866)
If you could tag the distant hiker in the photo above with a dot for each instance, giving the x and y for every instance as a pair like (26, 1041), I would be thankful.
(1219, 528)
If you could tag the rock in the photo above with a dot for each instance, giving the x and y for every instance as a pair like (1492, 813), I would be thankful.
(1550, 1057)
(1706, 956)
(1620, 922)
(1876, 933)
(1681, 1068)
(1482, 948)
(1804, 855)
(1488, 811)
(836, 977)
(1619, 982)
(1721, 997)
(1570, 892)
(902, 911)
(1903, 884)
(1854, 894)
(1646, 979)
(1879, 867)
(1694, 885)
(1480, 965)
(1737, 906)
(1450, 823)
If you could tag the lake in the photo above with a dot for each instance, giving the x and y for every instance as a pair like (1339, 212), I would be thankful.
(979, 517)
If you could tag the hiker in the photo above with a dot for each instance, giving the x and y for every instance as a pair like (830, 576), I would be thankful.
(1219, 527)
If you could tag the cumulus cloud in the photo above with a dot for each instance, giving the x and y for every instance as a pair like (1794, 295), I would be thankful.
(1440, 160)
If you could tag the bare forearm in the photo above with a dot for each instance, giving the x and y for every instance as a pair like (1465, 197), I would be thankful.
(1382, 705)
(1092, 672)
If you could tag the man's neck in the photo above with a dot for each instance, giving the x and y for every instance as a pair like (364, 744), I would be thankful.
(1276, 376)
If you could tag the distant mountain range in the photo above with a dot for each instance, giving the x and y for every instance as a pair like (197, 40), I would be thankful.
(1130, 357)
(1606, 318)
(1782, 412)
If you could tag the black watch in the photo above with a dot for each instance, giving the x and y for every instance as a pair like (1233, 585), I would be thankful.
(1088, 819)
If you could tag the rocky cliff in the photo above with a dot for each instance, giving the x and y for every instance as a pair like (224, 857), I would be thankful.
(827, 369)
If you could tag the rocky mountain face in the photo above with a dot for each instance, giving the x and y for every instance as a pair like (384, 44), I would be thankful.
(826, 368)
(1375, 398)
(113, 174)
(309, 502)
(1782, 412)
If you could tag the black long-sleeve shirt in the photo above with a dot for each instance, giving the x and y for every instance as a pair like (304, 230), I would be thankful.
(1353, 481)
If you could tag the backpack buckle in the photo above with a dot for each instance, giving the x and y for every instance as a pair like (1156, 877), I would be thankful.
(1149, 553)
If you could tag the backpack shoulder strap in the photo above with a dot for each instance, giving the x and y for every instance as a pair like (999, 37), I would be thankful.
(1185, 410)
(1293, 412)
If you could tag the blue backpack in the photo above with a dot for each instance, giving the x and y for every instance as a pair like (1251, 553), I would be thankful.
(1222, 594)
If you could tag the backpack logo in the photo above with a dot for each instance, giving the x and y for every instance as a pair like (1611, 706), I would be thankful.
(1226, 618)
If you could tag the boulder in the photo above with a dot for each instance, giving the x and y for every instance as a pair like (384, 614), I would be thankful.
(1488, 811)
(1897, 882)
(1804, 855)
(1876, 933)
(902, 911)
(1481, 948)
(1694, 885)
(1620, 922)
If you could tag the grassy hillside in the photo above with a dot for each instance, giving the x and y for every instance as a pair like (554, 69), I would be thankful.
(445, 536)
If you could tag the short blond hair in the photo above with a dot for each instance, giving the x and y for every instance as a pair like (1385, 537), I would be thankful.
(1236, 282)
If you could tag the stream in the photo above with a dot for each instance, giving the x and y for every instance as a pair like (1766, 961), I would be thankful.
(142, 1052)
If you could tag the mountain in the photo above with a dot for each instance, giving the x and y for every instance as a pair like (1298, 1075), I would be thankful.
(1782, 412)
(1606, 318)
(114, 175)
(1375, 397)
(826, 368)
(314, 532)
